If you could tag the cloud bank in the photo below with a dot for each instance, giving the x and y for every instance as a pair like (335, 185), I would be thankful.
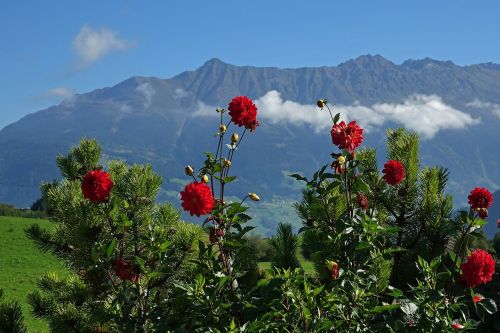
(92, 44)
(494, 108)
(425, 114)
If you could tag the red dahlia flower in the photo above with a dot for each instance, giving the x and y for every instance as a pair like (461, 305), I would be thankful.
(394, 172)
(478, 269)
(125, 270)
(362, 201)
(197, 199)
(480, 198)
(243, 112)
(96, 186)
(347, 136)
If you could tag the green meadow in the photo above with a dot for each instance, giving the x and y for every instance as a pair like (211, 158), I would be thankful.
(21, 263)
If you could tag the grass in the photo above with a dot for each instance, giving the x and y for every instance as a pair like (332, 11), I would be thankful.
(21, 263)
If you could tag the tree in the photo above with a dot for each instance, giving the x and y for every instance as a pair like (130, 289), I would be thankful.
(285, 244)
(126, 253)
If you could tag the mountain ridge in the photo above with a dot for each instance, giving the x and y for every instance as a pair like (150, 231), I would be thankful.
(150, 120)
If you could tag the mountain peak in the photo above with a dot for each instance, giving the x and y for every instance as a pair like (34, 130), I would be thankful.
(214, 62)
(368, 61)
(427, 63)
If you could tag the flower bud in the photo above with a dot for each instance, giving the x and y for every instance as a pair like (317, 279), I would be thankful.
(188, 170)
(204, 178)
(226, 163)
(253, 196)
(321, 103)
(341, 160)
(477, 298)
(333, 267)
(234, 138)
(222, 128)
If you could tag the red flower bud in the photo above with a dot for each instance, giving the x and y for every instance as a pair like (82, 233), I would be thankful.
(125, 270)
(362, 201)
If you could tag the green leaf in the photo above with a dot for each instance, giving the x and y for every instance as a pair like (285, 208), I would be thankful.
(111, 248)
(318, 290)
(488, 305)
(336, 118)
(140, 262)
(382, 308)
(409, 308)
(229, 179)
(363, 245)
(298, 177)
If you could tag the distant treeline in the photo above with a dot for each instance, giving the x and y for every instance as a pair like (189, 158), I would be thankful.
(35, 211)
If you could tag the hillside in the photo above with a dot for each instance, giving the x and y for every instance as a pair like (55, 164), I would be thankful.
(22, 264)
(164, 122)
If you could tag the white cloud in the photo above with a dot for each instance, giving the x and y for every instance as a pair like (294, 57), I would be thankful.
(425, 114)
(205, 110)
(494, 108)
(180, 93)
(147, 90)
(66, 95)
(62, 92)
(92, 44)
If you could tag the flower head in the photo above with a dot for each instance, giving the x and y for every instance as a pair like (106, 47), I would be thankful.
(457, 326)
(347, 136)
(394, 172)
(480, 198)
(498, 223)
(197, 199)
(96, 186)
(124, 270)
(478, 269)
(243, 112)
(362, 201)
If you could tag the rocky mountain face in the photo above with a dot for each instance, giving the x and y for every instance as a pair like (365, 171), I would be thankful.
(163, 122)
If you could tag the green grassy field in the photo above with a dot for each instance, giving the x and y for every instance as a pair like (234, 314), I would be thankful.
(21, 264)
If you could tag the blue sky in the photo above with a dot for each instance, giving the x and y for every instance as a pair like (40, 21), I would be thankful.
(51, 49)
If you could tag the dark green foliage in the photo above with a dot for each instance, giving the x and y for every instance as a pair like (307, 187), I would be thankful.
(261, 247)
(89, 237)
(9, 210)
(11, 316)
(285, 245)
(496, 243)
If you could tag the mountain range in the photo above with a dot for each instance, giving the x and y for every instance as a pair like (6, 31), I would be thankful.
(169, 123)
